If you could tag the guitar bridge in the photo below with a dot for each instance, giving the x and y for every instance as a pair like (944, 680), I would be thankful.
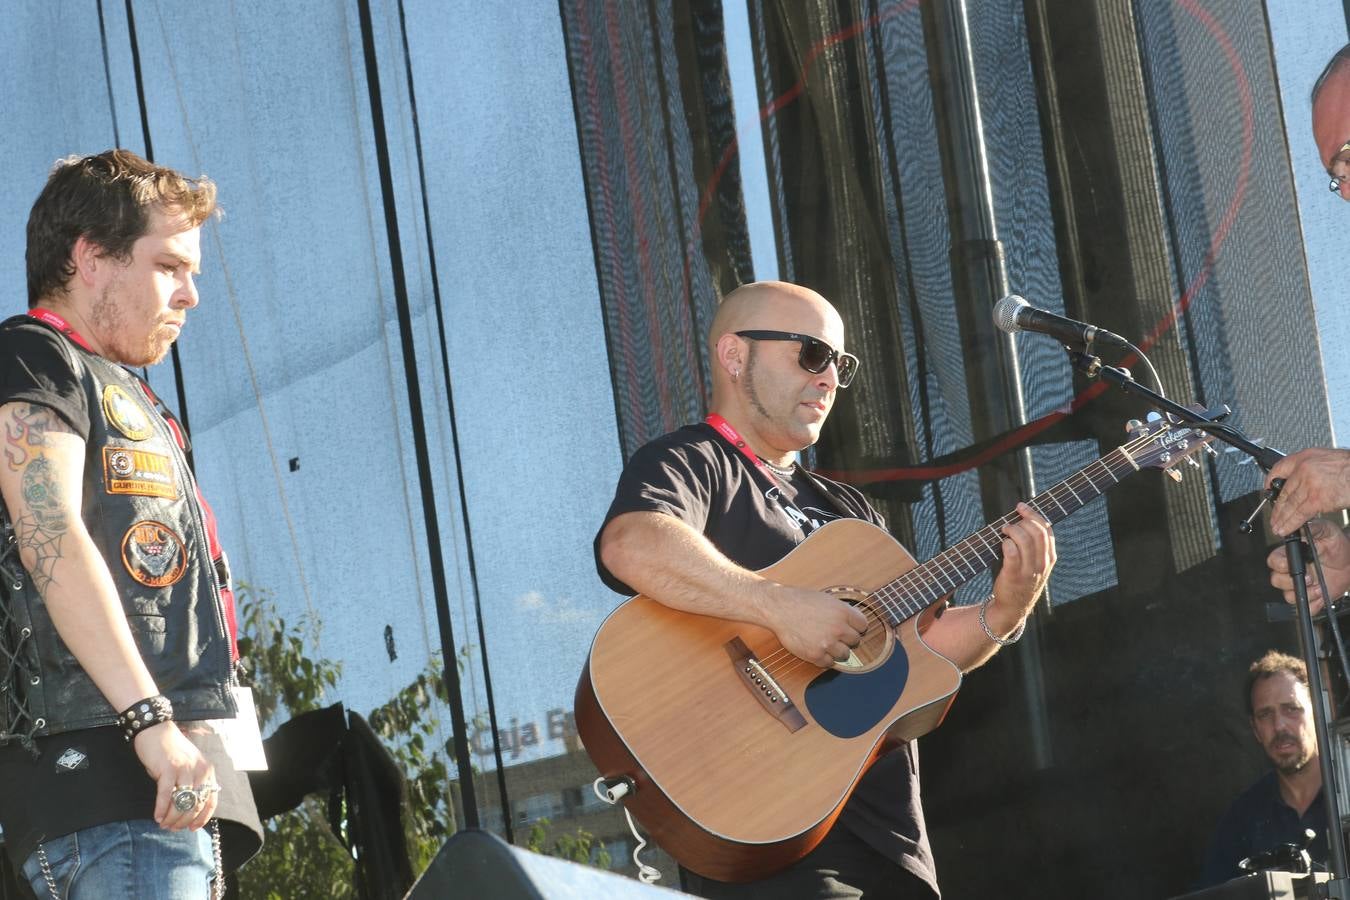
(774, 699)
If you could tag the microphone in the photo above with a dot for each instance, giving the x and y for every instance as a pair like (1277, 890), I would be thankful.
(1013, 314)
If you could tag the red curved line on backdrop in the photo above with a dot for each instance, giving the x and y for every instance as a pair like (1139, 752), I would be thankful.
(773, 106)
(1026, 432)
(1244, 170)
(793, 93)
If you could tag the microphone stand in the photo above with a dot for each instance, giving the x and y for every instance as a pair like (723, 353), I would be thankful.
(1338, 888)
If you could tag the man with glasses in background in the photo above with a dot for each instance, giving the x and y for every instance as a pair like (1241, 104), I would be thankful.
(698, 511)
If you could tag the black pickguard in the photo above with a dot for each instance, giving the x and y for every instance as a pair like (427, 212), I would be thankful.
(847, 705)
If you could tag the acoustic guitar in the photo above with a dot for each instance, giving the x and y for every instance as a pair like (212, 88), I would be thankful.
(738, 755)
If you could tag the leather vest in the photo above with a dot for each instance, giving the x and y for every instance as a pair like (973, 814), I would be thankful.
(141, 510)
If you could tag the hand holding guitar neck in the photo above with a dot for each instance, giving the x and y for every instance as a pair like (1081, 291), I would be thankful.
(1028, 557)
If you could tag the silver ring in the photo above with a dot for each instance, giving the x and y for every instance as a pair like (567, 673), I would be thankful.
(205, 791)
(185, 799)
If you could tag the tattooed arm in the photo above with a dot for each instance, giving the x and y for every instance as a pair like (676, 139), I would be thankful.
(42, 482)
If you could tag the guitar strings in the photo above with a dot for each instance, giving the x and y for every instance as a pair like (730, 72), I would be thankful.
(917, 602)
(912, 592)
(893, 596)
(903, 598)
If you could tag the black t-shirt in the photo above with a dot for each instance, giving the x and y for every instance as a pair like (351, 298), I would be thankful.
(1260, 820)
(35, 367)
(89, 777)
(755, 519)
(92, 777)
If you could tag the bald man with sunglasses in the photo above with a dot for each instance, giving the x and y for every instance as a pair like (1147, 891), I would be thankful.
(699, 511)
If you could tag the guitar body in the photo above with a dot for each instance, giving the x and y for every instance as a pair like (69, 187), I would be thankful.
(738, 778)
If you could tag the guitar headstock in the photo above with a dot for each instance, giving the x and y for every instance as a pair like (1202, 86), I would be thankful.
(1163, 443)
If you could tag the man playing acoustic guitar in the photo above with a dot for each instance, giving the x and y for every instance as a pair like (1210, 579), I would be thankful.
(697, 513)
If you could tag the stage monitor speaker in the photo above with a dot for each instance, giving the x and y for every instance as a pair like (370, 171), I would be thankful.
(477, 864)
(1259, 886)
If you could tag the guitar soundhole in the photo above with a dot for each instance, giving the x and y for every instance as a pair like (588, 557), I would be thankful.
(876, 643)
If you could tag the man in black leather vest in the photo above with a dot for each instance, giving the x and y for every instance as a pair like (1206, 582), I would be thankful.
(118, 624)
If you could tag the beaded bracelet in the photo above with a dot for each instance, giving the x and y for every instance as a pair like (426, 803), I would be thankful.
(144, 713)
(989, 632)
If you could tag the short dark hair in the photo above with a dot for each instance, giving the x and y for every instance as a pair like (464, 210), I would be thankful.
(108, 199)
(1273, 663)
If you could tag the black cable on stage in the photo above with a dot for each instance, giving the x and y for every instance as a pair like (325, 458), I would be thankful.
(150, 155)
(432, 523)
(508, 824)
(107, 76)
(1333, 616)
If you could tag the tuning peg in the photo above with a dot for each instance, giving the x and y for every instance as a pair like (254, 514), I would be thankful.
(1134, 426)
(1194, 463)
(1209, 448)
(1173, 474)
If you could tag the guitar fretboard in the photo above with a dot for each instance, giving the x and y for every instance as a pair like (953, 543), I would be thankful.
(928, 582)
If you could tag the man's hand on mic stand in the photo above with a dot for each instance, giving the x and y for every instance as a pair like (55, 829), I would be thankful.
(1333, 548)
(1316, 481)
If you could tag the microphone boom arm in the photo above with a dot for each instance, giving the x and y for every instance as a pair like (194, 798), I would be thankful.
(1206, 422)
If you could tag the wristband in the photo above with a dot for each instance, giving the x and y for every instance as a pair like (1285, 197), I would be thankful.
(143, 714)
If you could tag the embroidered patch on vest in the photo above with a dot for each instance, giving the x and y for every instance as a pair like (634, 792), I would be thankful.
(153, 554)
(125, 414)
(138, 472)
(72, 759)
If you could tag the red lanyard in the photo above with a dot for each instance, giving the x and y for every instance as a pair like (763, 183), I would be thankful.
(726, 430)
(60, 324)
(57, 321)
(777, 482)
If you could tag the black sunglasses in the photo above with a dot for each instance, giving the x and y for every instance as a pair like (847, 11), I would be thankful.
(816, 355)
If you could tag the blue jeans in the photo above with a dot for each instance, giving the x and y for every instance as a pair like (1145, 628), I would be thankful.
(125, 859)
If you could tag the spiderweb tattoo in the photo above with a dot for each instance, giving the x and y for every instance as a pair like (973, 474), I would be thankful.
(43, 521)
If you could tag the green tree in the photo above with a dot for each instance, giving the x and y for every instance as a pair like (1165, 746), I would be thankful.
(580, 847)
(301, 857)
(410, 730)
